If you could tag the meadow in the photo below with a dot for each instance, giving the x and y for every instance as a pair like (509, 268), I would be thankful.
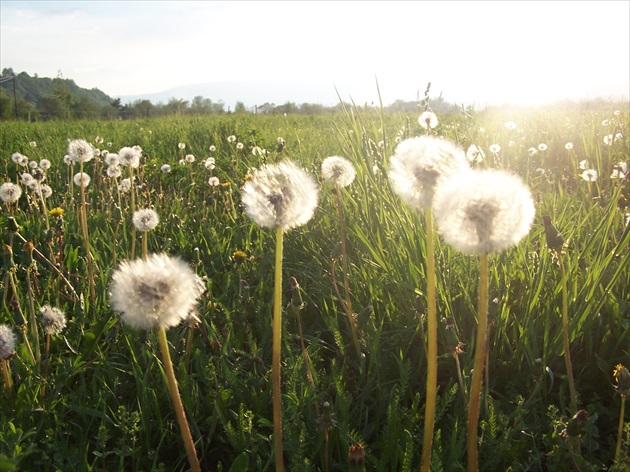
(93, 397)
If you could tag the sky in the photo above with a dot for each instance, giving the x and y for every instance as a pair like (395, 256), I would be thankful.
(472, 52)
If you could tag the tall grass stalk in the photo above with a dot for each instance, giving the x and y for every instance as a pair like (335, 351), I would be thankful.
(177, 401)
(620, 428)
(565, 334)
(480, 356)
(86, 239)
(275, 353)
(432, 361)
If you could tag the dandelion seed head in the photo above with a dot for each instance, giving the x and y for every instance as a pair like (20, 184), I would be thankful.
(214, 182)
(494, 148)
(212, 148)
(7, 341)
(338, 171)
(160, 291)
(10, 192)
(209, 163)
(239, 146)
(80, 150)
(81, 179)
(419, 164)
(44, 191)
(475, 154)
(165, 169)
(483, 211)
(67, 161)
(181, 145)
(112, 159)
(428, 120)
(32, 144)
(17, 158)
(125, 185)
(590, 175)
(33, 164)
(280, 196)
(542, 147)
(44, 164)
(145, 219)
(510, 125)
(129, 157)
(568, 146)
(114, 171)
(231, 139)
(189, 158)
(53, 320)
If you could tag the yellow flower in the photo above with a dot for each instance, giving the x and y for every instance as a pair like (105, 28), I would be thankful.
(56, 212)
(239, 257)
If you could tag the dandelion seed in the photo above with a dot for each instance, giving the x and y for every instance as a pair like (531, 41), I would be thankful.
(590, 175)
(145, 219)
(428, 120)
(510, 125)
(568, 146)
(81, 179)
(7, 341)
(338, 171)
(10, 192)
(480, 212)
(129, 157)
(475, 154)
(112, 159)
(494, 148)
(419, 164)
(80, 150)
(160, 291)
(181, 146)
(542, 147)
(165, 169)
(209, 163)
(189, 158)
(53, 320)
(280, 196)
(231, 139)
(114, 171)
(214, 181)
(44, 164)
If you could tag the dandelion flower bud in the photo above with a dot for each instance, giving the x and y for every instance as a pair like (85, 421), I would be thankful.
(81, 179)
(145, 219)
(10, 192)
(338, 171)
(419, 164)
(80, 150)
(428, 120)
(160, 291)
(483, 211)
(53, 320)
(7, 342)
(280, 196)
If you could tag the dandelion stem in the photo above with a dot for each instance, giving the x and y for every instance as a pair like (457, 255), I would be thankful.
(86, 239)
(177, 401)
(620, 428)
(31, 308)
(275, 353)
(565, 334)
(7, 377)
(144, 245)
(480, 356)
(432, 363)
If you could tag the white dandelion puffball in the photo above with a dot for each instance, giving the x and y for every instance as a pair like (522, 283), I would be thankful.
(44, 191)
(189, 158)
(214, 182)
(125, 185)
(590, 175)
(212, 148)
(112, 159)
(494, 148)
(80, 150)
(181, 145)
(10, 192)
(209, 163)
(231, 138)
(542, 147)
(145, 219)
(419, 164)
(338, 171)
(114, 171)
(483, 211)
(568, 146)
(475, 154)
(160, 291)
(280, 196)
(165, 169)
(428, 120)
(44, 164)
(81, 179)
(7, 341)
(129, 157)
(53, 319)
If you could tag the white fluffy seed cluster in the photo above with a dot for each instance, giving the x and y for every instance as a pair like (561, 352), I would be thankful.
(53, 319)
(79, 150)
(338, 171)
(160, 291)
(280, 196)
(10, 192)
(145, 219)
(7, 342)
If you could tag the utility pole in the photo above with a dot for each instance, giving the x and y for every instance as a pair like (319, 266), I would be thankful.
(15, 98)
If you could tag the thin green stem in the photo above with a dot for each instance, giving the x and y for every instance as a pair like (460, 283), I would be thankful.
(620, 428)
(565, 334)
(275, 353)
(144, 245)
(480, 357)
(432, 361)
(177, 402)
(31, 308)
(7, 377)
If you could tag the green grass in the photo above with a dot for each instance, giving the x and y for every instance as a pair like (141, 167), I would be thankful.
(105, 405)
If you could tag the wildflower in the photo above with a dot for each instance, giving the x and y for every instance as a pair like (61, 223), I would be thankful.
(53, 320)
(80, 150)
(510, 125)
(428, 120)
(181, 146)
(231, 139)
(338, 171)
(475, 154)
(44, 191)
(239, 146)
(419, 164)
(145, 219)
(7, 342)
(26, 179)
(67, 161)
(189, 158)
(483, 211)
(212, 148)
(568, 146)
(129, 157)
(33, 164)
(114, 171)
(44, 164)
(56, 212)
(32, 144)
(125, 185)
(542, 147)
(494, 148)
(213, 181)
(157, 292)
(19, 159)
(10, 192)
(622, 377)
(81, 179)
(280, 196)
(112, 159)
(590, 175)
(165, 169)
(239, 257)
(98, 140)
(209, 163)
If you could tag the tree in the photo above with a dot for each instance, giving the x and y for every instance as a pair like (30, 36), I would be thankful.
(240, 108)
